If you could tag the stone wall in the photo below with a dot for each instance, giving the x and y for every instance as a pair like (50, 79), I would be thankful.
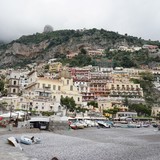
(58, 125)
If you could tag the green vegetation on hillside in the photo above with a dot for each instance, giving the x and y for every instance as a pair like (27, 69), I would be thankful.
(146, 82)
(93, 35)
(128, 59)
(57, 37)
(61, 41)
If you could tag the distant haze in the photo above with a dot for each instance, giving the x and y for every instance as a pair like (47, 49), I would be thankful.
(135, 17)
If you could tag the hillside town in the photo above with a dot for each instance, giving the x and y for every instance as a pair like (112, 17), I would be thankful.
(79, 80)
(40, 87)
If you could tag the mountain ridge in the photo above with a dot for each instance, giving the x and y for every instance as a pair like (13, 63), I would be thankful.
(44, 46)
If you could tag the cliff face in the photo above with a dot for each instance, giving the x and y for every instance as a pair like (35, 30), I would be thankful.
(17, 53)
(26, 50)
(41, 47)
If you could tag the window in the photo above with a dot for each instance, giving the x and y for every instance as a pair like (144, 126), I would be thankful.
(14, 82)
(78, 99)
(49, 86)
(42, 107)
(43, 85)
(67, 81)
(54, 87)
(71, 88)
(59, 88)
(14, 90)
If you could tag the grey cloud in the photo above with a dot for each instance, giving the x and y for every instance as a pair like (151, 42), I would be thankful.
(135, 17)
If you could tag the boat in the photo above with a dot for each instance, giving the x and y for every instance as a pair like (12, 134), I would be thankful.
(132, 125)
(79, 125)
(29, 140)
(155, 125)
(26, 140)
(73, 126)
(13, 141)
(103, 124)
(145, 125)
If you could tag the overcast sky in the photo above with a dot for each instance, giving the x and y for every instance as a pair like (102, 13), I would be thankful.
(139, 18)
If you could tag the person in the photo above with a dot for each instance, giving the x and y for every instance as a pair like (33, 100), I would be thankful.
(32, 138)
(69, 123)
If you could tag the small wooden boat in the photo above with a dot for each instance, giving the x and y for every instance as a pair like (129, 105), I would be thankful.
(13, 141)
(103, 124)
(79, 125)
(73, 126)
(155, 125)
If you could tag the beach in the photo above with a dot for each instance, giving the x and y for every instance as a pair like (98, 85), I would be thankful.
(86, 144)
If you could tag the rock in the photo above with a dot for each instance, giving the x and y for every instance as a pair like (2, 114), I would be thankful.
(54, 158)
(47, 29)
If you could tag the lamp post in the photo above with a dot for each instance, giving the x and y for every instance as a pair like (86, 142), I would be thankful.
(10, 124)
(10, 109)
(27, 111)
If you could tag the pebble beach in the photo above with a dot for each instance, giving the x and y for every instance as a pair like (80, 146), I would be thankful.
(86, 144)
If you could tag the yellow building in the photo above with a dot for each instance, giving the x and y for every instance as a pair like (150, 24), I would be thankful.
(60, 87)
(155, 111)
(45, 93)
(105, 103)
(122, 89)
(55, 67)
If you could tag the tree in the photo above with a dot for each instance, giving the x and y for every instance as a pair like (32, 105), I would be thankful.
(146, 82)
(3, 106)
(80, 109)
(93, 103)
(147, 76)
(126, 102)
(140, 109)
(158, 116)
(113, 111)
(4, 92)
(83, 51)
(68, 103)
(1, 85)
(46, 67)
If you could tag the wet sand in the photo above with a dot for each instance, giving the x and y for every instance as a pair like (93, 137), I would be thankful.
(87, 144)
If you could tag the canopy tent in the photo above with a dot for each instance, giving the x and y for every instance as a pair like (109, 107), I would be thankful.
(7, 115)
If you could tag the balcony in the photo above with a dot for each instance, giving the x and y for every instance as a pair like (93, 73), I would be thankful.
(87, 99)
(43, 98)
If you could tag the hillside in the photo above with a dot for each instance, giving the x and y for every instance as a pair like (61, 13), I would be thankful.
(44, 46)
